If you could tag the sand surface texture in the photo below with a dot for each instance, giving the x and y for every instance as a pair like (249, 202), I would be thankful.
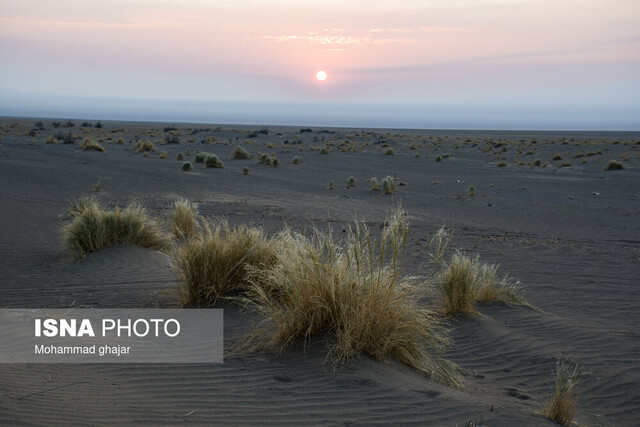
(570, 234)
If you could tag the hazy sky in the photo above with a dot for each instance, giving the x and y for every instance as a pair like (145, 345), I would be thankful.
(572, 64)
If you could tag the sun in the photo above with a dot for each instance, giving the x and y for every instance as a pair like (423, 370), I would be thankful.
(321, 75)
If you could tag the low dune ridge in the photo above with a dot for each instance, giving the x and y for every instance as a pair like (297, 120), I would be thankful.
(568, 234)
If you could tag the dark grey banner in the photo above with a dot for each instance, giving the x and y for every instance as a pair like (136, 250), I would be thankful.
(111, 336)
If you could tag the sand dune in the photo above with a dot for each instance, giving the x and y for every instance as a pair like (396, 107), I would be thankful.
(567, 233)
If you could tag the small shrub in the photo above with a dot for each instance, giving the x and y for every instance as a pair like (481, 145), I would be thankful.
(296, 160)
(240, 154)
(183, 219)
(98, 125)
(557, 157)
(246, 170)
(565, 164)
(275, 162)
(351, 182)
(501, 164)
(613, 165)
(119, 141)
(564, 402)
(438, 159)
(51, 140)
(55, 124)
(465, 280)
(218, 263)
(180, 157)
(537, 162)
(163, 155)
(186, 166)
(68, 124)
(373, 182)
(331, 185)
(472, 191)
(145, 146)
(201, 157)
(388, 185)
(324, 150)
(389, 152)
(172, 139)
(351, 293)
(93, 228)
(90, 144)
(212, 161)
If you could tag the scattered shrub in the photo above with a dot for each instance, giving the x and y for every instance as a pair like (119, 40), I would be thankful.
(389, 152)
(218, 263)
(438, 159)
(465, 280)
(565, 164)
(373, 182)
(557, 157)
(144, 146)
(119, 141)
(564, 402)
(172, 139)
(163, 155)
(472, 191)
(186, 166)
(613, 165)
(537, 162)
(324, 150)
(351, 182)
(51, 140)
(212, 161)
(180, 157)
(246, 170)
(98, 125)
(331, 185)
(296, 160)
(240, 154)
(68, 124)
(90, 144)
(501, 164)
(183, 219)
(353, 294)
(388, 185)
(93, 228)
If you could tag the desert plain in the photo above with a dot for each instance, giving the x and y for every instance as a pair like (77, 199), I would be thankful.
(542, 207)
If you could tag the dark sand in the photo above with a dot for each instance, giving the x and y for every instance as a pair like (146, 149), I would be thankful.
(569, 234)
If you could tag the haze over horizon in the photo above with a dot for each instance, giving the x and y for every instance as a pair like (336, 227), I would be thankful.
(459, 64)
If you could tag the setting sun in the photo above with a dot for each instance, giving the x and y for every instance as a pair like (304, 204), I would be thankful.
(321, 75)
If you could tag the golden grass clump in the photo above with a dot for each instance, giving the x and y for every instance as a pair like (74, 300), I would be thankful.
(145, 146)
(93, 228)
(465, 280)
(354, 293)
(564, 402)
(218, 263)
(90, 144)
(183, 218)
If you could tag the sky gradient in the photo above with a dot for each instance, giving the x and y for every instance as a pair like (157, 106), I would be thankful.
(501, 64)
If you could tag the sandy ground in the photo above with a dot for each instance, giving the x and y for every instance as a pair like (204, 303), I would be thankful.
(570, 234)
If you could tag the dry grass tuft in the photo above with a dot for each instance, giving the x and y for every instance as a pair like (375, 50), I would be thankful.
(218, 263)
(465, 280)
(183, 218)
(93, 228)
(352, 292)
(613, 165)
(90, 144)
(240, 154)
(145, 146)
(564, 402)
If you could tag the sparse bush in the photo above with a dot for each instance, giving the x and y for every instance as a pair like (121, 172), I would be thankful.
(93, 228)
(169, 128)
(296, 160)
(68, 124)
(565, 164)
(163, 155)
(351, 182)
(324, 150)
(275, 162)
(246, 170)
(389, 152)
(472, 191)
(180, 157)
(557, 157)
(388, 185)
(51, 140)
(172, 139)
(466, 280)
(501, 164)
(86, 125)
(352, 293)
(537, 162)
(240, 154)
(55, 124)
(331, 185)
(564, 402)
(613, 165)
(119, 141)
(144, 146)
(212, 161)
(218, 263)
(90, 144)
(186, 166)
(98, 125)
(373, 182)
(438, 159)
(183, 219)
